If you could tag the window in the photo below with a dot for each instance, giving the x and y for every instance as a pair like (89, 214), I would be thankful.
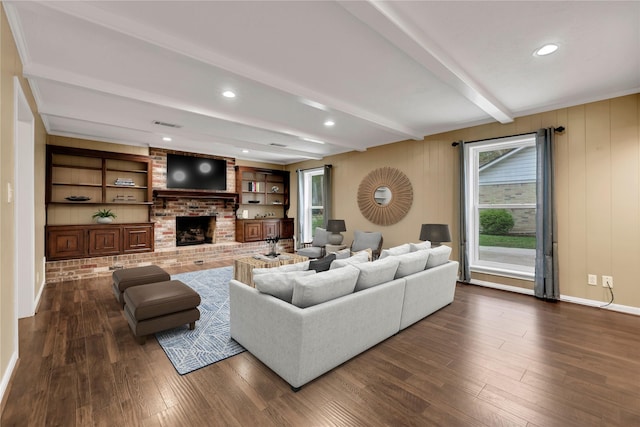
(501, 206)
(312, 202)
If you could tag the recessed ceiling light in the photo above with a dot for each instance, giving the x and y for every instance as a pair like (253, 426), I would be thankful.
(317, 141)
(166, 138)
(546, 49)
(228, 94)
(245, 151)
(329, 123)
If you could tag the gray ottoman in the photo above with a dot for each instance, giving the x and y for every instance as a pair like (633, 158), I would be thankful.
(156, 307)
(125, 278)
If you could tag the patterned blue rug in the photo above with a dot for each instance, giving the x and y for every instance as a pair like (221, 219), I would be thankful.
(210, 341)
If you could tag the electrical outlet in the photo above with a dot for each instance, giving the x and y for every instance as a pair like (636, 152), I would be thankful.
(592, 280)
(607, 281)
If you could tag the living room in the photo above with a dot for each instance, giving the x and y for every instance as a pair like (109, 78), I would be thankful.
(597, 192)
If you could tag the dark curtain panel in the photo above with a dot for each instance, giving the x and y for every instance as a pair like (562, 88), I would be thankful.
(546, 271)
(300, 222)
(465, 273)
(327, 195)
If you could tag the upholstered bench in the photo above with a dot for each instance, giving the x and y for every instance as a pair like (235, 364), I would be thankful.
(155, 307)
(125, 278)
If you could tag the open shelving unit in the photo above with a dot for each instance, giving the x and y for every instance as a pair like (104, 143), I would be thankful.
(78, 183)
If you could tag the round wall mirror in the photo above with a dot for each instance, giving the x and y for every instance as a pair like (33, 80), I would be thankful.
(382, 196)
(385, 196)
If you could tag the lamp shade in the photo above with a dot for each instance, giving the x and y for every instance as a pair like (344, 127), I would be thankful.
(336, 225)
(435, 233)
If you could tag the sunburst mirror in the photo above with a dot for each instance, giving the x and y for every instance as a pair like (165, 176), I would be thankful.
(385, 196)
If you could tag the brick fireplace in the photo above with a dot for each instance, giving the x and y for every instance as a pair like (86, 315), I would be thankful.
(164, 212)
(195, 230)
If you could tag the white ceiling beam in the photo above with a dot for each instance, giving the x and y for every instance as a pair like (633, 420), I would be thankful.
(177, 135)
(39, 71)
(408, 37)
(157, 37)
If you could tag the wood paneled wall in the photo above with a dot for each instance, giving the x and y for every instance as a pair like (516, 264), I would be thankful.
(597, 191)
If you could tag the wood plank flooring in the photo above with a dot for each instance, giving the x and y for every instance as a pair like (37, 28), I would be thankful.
(491, 358)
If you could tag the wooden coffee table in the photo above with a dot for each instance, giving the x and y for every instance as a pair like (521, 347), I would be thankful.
(243, 267)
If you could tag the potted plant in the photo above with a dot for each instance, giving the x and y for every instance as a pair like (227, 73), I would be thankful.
(104, 216)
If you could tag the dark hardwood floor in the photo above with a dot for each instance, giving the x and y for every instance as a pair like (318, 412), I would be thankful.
(491, 358)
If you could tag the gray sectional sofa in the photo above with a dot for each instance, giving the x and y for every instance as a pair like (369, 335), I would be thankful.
(300, 344)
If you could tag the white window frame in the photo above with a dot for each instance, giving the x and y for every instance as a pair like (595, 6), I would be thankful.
(307, 232)
(473, 206)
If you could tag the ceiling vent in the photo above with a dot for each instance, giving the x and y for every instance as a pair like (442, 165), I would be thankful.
(275, 144)
(169, 125)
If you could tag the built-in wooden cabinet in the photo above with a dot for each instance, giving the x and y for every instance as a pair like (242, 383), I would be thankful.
(83, 241)
(80, 182)
(263, 191)
(256, 230)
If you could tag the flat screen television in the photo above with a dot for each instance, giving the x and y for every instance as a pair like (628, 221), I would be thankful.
(196, 173)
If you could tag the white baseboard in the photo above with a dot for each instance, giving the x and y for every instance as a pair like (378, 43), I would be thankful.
(6, 375)
(567, 298)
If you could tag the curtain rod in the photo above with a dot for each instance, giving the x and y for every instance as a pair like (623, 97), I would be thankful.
(559, 129)
(317, 167)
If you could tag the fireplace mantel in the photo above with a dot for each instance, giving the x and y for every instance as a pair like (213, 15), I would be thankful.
(193, 194)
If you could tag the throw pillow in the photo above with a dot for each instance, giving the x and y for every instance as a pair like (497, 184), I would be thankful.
(298, 266)
(356, 259)
(343, 254)
(420, 246)
(376, 272)
(438, 256)
(320, 237)
(363, 240)
(322, 264)
(325, 286)
(396, 250)
(412, 262)
(368, 251)
(280, 285)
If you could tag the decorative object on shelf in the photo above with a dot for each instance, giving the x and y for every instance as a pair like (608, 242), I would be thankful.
(124, 198)
(275, 189)
(273, 242)
(125, 182)
(385, 196)
(335, 226)
(78, 198)
(435, 233)
(104, 216)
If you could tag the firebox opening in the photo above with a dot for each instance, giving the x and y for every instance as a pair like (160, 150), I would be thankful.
(195, 230)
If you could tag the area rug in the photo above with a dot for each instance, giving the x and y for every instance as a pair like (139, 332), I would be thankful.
(210, 341)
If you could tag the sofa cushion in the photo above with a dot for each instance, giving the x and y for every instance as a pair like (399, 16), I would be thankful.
(279, 284)
(420, 246)
(355, 259)
(376, 272)
(325, 286)
(298, 266)
(396, 250)
(363, 240)
(438, 256)
(322, 264)
(412, 262)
